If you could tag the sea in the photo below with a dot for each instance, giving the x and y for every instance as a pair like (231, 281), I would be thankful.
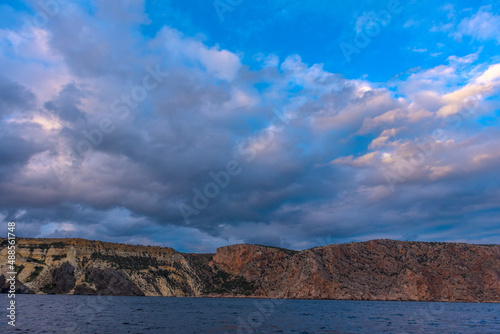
(179, 315)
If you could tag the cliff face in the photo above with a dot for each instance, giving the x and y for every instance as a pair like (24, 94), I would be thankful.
(374, 270)
(77, 266)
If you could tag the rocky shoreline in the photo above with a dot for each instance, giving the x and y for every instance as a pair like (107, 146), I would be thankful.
(374, 270)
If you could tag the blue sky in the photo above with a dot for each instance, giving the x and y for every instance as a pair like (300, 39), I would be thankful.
(196, 124)
(314, 29)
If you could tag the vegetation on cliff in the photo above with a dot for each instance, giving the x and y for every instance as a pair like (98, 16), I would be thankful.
(373, 270)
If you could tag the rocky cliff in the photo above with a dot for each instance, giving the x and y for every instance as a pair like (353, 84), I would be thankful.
(373, 270)
(78, 266)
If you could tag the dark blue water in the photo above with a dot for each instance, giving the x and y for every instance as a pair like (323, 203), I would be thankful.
(94, 314)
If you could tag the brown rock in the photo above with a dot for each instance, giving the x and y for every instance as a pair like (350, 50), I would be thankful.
(373, 270)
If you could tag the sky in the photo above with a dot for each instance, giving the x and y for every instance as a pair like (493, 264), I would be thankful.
(199, 124)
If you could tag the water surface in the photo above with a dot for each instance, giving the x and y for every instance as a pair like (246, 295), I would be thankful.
(98, 314)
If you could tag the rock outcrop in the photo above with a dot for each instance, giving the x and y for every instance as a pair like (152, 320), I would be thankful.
(84, 267)
(373, 270)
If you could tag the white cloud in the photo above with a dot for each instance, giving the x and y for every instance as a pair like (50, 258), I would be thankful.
(483, 25)
(221, 63)
(468, 96)
(383, 138)
(422, 50)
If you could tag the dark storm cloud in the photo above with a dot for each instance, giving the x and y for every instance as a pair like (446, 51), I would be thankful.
(14, 97)
(14, 153)
(15, 149)
(66, 106)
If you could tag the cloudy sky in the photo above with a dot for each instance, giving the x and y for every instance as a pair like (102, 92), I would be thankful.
(197, 124)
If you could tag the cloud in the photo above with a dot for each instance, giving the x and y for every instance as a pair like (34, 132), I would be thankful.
(483, 25)
(313, 145)
(383, 138)
(419, 50)
(14, 97)
(221, 63)
(467, 96)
